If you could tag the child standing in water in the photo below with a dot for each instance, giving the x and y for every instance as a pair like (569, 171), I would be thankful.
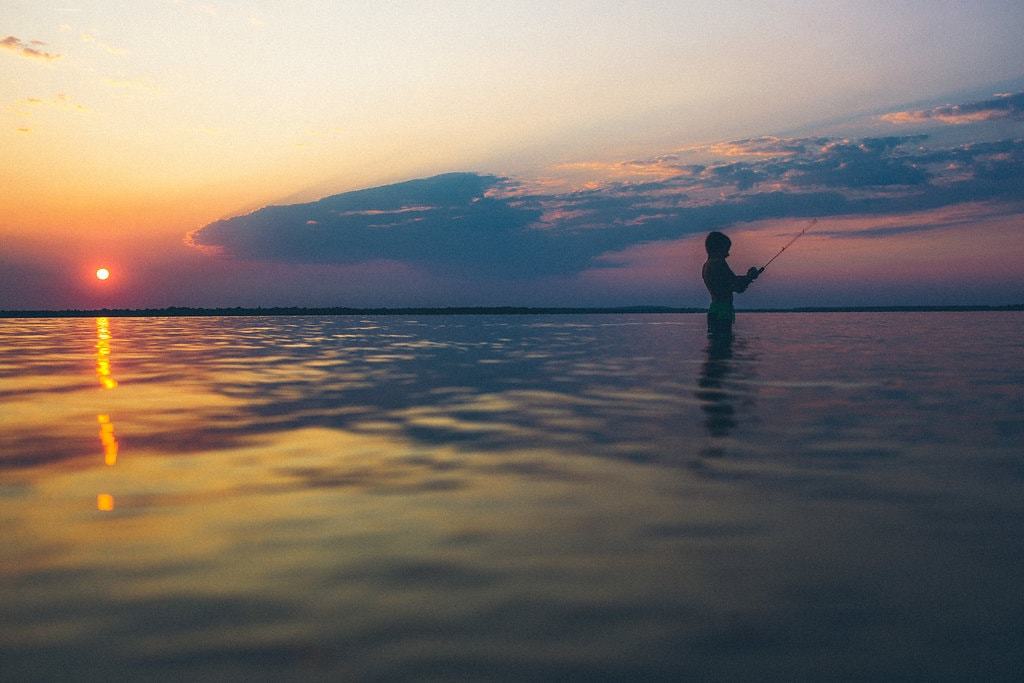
(722, 282)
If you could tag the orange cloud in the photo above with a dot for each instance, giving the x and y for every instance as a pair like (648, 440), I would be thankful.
(1002, 106)
(951, 117)
(764, 146)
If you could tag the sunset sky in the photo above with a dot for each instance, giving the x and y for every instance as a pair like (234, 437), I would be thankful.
(526, 153)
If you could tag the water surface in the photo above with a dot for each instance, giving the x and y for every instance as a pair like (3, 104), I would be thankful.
(829, 496)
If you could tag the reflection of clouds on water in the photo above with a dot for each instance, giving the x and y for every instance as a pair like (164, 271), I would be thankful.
(411, 498)
(338, 405)
(613, 387)
(499, 386)
(610, 387)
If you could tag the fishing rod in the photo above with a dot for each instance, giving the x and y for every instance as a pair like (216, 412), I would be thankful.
(788, 244)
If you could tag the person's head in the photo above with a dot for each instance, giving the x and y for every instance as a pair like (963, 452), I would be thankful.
(717, 244)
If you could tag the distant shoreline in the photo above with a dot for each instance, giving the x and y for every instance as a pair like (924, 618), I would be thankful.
(179, 311)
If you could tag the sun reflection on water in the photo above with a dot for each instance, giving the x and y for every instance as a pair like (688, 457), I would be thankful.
(108, 439)
(103, 353)
(105, 501)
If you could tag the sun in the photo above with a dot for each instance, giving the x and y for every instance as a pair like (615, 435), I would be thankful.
(102, 273)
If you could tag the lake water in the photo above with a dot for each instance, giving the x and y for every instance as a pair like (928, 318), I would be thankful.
(830, 496)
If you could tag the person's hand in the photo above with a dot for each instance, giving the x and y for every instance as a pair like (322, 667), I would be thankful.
(753, 272)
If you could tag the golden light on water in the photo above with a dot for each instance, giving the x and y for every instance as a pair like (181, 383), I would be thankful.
(103, 353)
(108, 439)
(105, 501)
(102, 273)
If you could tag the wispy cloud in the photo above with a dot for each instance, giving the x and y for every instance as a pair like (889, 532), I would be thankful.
(959, 215)
(106, 47)
(29, 50)
(387, 212)
(60, 101)
(654, 168)
(765, 146)
(1002, 106)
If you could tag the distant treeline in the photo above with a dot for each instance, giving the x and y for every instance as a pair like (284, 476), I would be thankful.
(176, 311)
(886, 309)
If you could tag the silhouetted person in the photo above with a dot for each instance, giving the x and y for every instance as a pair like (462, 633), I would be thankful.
(722, 282)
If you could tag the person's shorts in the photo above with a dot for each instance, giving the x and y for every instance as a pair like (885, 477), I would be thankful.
(720, 318)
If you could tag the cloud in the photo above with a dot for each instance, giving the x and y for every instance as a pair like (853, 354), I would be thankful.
(957, 216)
(59, 101)
(1002, 106)
(106, 47)
(445, 221)
(620, 169)
(22, 49)
(763, 146)
(470, 225)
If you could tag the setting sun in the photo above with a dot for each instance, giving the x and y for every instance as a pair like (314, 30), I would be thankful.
(102, 274)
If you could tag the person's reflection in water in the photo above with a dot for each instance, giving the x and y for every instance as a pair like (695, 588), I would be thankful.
(721, 397)
(716, 402)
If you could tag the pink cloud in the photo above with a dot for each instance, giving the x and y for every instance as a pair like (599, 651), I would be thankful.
(1002, 106)
(22, 49)
(386, 212)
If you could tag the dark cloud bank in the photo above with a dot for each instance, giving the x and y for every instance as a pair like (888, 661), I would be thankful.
(474, 224)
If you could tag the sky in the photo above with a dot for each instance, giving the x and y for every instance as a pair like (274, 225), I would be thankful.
(272, 153)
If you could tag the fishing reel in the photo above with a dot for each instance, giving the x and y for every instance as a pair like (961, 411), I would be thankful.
(754, 272)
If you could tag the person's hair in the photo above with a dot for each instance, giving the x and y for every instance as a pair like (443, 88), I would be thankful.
(717, 244)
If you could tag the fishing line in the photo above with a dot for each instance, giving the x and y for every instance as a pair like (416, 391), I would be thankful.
(798, 236)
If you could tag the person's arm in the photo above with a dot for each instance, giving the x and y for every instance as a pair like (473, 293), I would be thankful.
(741, 282)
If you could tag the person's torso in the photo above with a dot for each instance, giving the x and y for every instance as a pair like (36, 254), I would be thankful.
(718, 278)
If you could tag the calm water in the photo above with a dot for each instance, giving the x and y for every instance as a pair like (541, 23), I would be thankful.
(833, 496)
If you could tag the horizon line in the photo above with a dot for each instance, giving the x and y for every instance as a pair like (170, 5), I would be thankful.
(185, 311)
